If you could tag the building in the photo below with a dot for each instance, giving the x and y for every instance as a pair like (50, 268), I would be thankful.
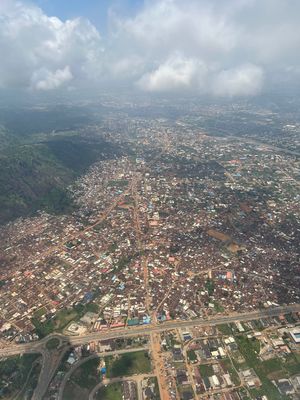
(295, 333)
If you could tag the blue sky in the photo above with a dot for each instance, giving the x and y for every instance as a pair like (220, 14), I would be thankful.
(95, 10)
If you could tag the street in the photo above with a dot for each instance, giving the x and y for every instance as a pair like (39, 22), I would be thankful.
(148, 329)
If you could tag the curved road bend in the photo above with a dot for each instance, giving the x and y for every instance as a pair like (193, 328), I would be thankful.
(70, 372)
(51, 361)
(95, 355)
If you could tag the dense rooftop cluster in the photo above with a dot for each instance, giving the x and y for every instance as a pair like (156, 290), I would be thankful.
(185, 225)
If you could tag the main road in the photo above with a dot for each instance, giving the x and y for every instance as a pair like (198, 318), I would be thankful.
(35, 347)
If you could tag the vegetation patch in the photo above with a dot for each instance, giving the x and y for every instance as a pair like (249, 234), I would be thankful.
(292, 364)
(43, 328)
(218, 307)
(110, 392)
(128, 364)
(206, 370)
(225, 329)
(37, 167)
(40, 312)
(18, 374)
(123, 262)
(210, 286)
(118, 183)
(249, 349)
(52, 344)
(228, 367)
(75, 392)
(192, 355)
(56, 201)
(63, 318)
(272, 365)
(87, 375)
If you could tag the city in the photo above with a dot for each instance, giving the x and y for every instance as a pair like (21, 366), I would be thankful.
(186, 227)
(149, 200)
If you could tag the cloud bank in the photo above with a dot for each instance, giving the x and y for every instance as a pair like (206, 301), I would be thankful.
(210, 47)
(42, 52)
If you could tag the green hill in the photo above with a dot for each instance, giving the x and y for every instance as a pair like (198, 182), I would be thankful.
(35, 175)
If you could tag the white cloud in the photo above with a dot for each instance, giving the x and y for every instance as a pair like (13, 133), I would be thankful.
(172, 25)
(126, 67)
(174, 74)
(190, 45)
(245, 80)
(241, 43)
(34, 45)
(47, 80)
(230, 48)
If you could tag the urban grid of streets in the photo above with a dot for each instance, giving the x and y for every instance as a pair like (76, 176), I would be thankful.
(181, 232)
(51, 360)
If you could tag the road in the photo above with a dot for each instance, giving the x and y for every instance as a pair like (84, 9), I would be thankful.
(51, 361)
(148, 329)
(95, 355)
(158, 362)
(256, 141)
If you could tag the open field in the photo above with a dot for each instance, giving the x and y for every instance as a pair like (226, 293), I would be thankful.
(128, 364)
(75, 392)
(206, 370)
(87, 375)
(110, 392)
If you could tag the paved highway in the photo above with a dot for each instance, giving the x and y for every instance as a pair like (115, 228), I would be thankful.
(147, 329)
(51, 361)
(256, 141)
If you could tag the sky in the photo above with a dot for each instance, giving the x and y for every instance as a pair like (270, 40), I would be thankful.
(95, 10)
(228, 48)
